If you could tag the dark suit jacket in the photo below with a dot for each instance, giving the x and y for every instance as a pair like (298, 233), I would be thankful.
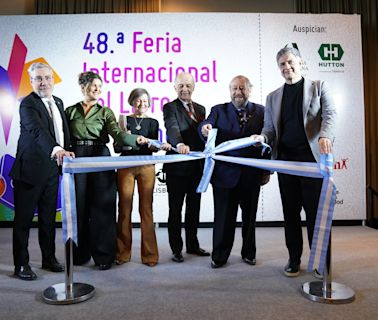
(182, 129)
(225, 118)
(33, 162)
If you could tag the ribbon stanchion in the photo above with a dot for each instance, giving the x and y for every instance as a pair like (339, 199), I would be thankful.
(328, 291)
(325, 291)
(68, 292)
(323, 170)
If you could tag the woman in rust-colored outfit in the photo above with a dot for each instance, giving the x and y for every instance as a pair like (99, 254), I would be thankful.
(140, 124)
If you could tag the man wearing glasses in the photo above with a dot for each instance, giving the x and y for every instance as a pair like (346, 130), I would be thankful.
(35, 172)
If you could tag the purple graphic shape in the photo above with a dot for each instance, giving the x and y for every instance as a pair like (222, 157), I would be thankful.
(6, 163)
(5, 92)
(7, 199)
(4, 80)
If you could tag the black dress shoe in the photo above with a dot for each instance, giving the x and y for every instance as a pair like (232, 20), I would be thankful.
(105, 266)
(216, 265)
(252, 261)
(24, 273)
(199, 252)
(177, 257)
(52, 264)
(292, 269)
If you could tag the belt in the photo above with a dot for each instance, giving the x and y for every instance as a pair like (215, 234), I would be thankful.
(88, 143)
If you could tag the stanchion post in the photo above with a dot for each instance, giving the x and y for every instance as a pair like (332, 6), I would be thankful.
(68, 292)
(327, 291)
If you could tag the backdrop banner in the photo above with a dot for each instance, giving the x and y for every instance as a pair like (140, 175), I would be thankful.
(148, 50)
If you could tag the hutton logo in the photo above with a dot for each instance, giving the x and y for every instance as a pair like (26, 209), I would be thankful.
(331, 54)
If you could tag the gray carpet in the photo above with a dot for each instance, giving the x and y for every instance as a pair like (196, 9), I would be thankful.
(192, 290)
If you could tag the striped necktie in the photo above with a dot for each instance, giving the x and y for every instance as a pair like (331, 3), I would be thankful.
(191, 112)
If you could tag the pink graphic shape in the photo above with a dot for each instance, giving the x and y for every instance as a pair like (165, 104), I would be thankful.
(14, 75)
(16, 62)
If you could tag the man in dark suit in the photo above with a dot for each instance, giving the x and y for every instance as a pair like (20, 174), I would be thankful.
(35, 172)
(181, 119)
(235, 185)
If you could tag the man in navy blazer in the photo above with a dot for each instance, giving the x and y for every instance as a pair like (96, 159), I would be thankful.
(235, 185)
(300, 124)
(181, 119)
(35, 172)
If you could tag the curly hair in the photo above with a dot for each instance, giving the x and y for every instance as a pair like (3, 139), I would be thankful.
(86, 78)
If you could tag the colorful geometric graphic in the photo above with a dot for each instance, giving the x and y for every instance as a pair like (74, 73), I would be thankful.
(14, 85)
(6, 185)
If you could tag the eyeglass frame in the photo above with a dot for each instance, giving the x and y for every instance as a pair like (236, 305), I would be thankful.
(45, 78)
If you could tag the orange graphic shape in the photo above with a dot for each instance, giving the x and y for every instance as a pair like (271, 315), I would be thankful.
(2, 186)
(25, 86)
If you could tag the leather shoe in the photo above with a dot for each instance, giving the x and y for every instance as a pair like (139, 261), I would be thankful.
(105, 266)
(52, 264)
(216, 265)
(177, 257)
(199, 252)
(24, 273)
(252, 262)
(318, 275)
(292, 269)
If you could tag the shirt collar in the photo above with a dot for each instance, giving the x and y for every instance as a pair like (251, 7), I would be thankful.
(242, 108)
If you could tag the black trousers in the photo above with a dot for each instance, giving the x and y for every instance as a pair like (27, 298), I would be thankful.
(96, 211)
(182, 188)
(297, 193)
(226, 202)
(27, 198)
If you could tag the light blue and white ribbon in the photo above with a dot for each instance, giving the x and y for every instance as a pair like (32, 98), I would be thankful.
(69, 218)
(96, 164)
(307, 169)
(211, 150)
(324, 216)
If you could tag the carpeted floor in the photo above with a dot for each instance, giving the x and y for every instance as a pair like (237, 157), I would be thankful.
(192, 290)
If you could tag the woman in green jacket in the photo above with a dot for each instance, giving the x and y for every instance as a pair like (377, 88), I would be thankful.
(90, 126)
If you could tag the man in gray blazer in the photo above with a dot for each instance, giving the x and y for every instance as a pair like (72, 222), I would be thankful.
(299, 122)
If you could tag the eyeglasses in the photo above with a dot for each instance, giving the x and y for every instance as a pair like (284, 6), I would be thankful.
(40, 79)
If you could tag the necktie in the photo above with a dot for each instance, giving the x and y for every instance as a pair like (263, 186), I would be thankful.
(191, 112)
(49, 103)
(242, 117)
(55, 123)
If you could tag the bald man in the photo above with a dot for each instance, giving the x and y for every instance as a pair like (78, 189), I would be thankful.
(181, 119)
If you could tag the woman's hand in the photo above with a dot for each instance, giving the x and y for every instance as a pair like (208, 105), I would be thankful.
(142, 140)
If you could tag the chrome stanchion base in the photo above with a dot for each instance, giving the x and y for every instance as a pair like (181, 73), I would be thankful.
(338, 293)
(57, 294)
